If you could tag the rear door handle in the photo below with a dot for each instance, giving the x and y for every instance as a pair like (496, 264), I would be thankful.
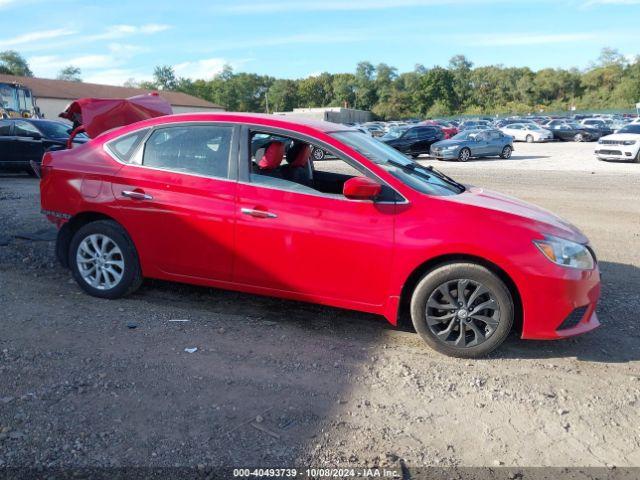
(258, 213)
(136, 195)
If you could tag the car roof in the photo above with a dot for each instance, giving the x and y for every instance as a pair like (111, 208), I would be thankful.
(262, 119)
(36, 121)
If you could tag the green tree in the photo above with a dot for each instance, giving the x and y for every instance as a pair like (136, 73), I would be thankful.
(283, 95)
(12, 63)
(70, 73)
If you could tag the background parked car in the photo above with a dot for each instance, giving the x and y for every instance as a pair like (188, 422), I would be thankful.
(474, 125)
(473, 143)
(572, 132)
(527, 132)
(448, 129)
(23, 140)
(623, 145)
(598, 124)
(413, 141)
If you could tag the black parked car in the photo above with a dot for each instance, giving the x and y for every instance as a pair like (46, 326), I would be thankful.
(572, 132)
(26, 139)
(413, 141)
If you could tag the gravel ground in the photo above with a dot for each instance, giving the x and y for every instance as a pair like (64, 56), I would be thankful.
(279, 383)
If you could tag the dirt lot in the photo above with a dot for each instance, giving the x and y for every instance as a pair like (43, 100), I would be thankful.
(78, 387)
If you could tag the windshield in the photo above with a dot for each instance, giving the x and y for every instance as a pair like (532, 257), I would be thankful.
(395, 132)
(630, 129)
(532, 126)
(464, 135)
(410, 173)
(54, 129)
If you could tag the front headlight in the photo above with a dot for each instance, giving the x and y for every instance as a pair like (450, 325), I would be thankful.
(566, 253)
(600, 141)
(451, 147)
(629, 142)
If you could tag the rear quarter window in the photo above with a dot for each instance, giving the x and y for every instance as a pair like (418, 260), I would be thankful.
(123, 147)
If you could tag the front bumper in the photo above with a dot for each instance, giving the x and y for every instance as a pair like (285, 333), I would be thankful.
(560, 303)
(442, 154)
(616, 152)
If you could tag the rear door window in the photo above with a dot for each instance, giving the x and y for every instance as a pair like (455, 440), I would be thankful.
(194, 149)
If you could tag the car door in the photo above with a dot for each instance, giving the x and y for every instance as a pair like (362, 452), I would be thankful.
(496, 142)
(406, 141)
(7, 141)
(515, 131)
(28, 142)
(425, 137)
(481, 145)
(176, 195)
(316, 246)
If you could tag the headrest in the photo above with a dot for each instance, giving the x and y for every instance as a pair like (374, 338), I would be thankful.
(272, 156)
(298, 155)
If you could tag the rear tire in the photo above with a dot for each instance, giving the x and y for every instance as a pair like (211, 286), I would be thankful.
(637, 159)
(318, 154)
(506, 152)
(459, 328)
(104, 261)
(578, 137)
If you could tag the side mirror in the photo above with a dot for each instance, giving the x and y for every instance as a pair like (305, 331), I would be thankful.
(361, 188)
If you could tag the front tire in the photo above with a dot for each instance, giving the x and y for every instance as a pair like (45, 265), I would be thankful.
(506, 152)
(104, 261)
(529, 138)
(578, 137)
(464, 155)
(462, 310)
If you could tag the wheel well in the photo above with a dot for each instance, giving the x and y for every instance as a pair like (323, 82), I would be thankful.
(404, 316)
(69, 229)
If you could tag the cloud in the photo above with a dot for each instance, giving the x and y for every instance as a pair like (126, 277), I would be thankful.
(116, 76)
(323, 38)
(113, 60)
(6, 3)
(36, 36)
(122, 31)
(523, 39)
(204, 69)
(590, 3)
(336, 5)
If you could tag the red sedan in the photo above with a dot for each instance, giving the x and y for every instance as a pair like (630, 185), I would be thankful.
(448, 129)
(236, 201)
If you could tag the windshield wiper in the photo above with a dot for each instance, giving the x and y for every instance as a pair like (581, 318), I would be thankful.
(410, 167)
(415, 167)
(444, 177)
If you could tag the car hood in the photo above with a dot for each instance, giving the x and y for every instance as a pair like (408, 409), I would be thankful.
(530, 216)
(623, 136)
(450, 143)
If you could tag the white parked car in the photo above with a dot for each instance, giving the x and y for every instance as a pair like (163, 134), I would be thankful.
(527, 132)
(624, 145)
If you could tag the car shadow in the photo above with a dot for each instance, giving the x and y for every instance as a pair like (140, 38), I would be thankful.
(616, 341)
(488, 159)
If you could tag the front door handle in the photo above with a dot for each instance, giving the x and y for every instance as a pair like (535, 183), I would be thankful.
(258, 213)
(136, 195)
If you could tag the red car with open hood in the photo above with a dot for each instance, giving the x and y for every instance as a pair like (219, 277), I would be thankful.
(236, 201)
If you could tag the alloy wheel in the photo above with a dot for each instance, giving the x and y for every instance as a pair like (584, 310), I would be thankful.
(578, 137)
(100, 261)
(506, 152)
(465, 154)
(462, 313)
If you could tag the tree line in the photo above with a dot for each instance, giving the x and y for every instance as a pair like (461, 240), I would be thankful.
(611, 82)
